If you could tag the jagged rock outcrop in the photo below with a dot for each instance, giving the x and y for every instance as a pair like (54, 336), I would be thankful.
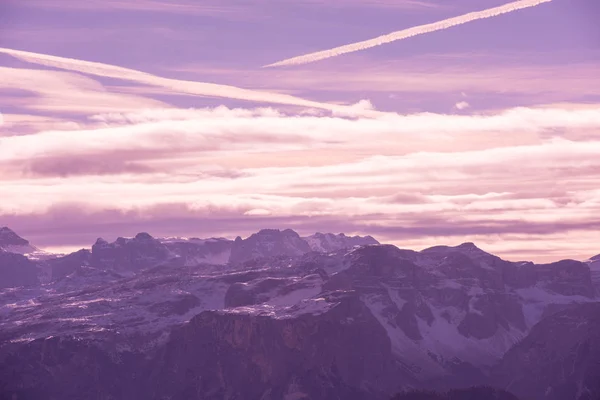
(268, 243)
(141, 252)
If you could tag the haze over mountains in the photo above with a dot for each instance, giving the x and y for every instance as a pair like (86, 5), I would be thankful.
(280, 316)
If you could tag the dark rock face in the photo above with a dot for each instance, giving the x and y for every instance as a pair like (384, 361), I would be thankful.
(245, 294)
(340, 354)
(474, 393)
(594, 264)
(62, 266)
(493, 311)
(567, 277)
(559, 359)
(178, 306)
(135, 254)
(268, 243)
(16, 270)
(9, 238)
(64, 368)
(253, 357)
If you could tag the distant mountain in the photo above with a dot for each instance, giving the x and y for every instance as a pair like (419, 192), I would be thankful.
(61, 267)
(327, 242)
(268, 243)
(13, 243)
(135, 254)
(276, 243)
(278, 316)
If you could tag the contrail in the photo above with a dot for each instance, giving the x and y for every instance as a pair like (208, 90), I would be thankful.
(180, 86)
(407, 33)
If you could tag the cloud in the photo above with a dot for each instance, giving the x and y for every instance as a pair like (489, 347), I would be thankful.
(462, 105)
(414, 180)
(68, 93)
(78, 165)
(407, 33)
(442, 181)
(174, 85)
(16, 124)
(168, 133)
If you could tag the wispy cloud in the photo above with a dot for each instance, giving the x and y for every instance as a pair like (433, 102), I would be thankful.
(173, 85)
(407, 33)
(64, 93)
(18, 124)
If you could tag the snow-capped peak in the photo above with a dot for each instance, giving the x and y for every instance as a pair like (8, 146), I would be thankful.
(12, 243)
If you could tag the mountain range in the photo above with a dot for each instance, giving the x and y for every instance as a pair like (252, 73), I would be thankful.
(280, 316)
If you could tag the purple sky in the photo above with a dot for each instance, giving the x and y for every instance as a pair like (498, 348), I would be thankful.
(486, 132)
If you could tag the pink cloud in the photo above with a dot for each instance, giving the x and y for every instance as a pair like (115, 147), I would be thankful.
(64, 92)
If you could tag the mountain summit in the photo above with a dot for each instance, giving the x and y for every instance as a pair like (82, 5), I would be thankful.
(8, 237)
(13, 243)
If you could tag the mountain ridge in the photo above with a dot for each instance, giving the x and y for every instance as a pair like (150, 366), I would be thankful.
(445, 316)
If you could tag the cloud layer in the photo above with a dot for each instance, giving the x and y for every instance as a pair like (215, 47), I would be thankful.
(414, 180)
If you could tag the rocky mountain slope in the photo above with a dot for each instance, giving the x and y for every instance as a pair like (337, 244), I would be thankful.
(272, 316)
(559, 359)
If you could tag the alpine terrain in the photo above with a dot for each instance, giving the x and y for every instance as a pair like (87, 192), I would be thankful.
(280, 316)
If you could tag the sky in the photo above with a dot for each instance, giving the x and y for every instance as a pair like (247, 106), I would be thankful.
(182, 118)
